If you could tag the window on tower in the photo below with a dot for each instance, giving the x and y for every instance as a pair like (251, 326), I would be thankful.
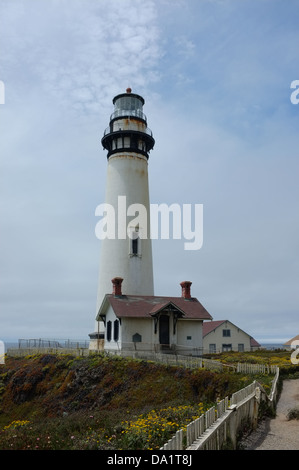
(134, 143)
(135, 246)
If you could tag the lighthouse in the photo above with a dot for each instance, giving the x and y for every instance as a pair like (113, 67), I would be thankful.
(127, 254)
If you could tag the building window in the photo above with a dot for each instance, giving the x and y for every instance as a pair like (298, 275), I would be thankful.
(189, 337)
(135, 246)
(226, 347)
(226, 332)
(109, 329)
(116, 330)
(241, 347)
(134, 143)
(212, 348)
(141, 145)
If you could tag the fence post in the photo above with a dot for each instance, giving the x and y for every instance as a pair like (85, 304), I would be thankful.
(233, 425)
(180, 439)
(189, 435)
(256, 405)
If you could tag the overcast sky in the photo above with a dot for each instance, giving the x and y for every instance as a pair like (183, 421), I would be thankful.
(216, 77)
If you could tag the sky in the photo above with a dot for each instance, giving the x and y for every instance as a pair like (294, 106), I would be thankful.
(216, 77)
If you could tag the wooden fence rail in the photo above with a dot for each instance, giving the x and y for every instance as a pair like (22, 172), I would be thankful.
(212, 430)
(190, 362)
(245, 368)
(240, 395)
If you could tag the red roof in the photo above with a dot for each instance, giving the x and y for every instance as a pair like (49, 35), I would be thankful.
(289, 343)
(142, 306)
(254, 343)
(209, 326)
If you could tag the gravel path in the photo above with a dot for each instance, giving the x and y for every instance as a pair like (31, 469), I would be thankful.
(278, 433)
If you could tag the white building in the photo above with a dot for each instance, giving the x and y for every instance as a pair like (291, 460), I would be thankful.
(132, 317)
(127, 252)
(152, 323)
(222, 335)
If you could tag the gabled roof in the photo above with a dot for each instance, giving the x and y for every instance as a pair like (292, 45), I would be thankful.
(209, 326)
(289, 343)
(254, 343)
(142, 306)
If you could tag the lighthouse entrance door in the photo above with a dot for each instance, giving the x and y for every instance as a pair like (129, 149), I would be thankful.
(164, 331)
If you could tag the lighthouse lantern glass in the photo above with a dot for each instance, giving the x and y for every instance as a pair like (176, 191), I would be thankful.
(128, 103)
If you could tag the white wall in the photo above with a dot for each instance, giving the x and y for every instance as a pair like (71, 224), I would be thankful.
(142, 326)
(127, 328)
(189, 334)
(187, 338)
(127, 175)
(237, 337)
(112, 345)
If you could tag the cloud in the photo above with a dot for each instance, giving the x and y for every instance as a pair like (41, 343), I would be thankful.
(216, 79)
(83, 55)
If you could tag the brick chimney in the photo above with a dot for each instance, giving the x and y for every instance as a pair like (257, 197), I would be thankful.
(186, 289)
(116, 282)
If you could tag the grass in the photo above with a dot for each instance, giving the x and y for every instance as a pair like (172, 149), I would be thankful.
(99, 432)
(279, 357)
(101, 402)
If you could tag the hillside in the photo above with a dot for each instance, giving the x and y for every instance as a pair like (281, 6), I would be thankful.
(85, 401)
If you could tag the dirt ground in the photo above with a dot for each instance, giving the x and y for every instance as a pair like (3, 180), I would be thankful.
(278, 433)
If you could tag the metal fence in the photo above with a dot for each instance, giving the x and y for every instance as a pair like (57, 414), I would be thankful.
(21, 352)
(40, 343)
(31, 346)
(246, 368)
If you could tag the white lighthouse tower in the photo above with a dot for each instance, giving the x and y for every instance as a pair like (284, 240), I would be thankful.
(128, 255)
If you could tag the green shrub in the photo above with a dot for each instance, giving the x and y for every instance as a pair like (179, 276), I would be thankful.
(293, 414)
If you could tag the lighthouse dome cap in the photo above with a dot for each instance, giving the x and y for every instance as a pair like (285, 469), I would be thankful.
(129, 97)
